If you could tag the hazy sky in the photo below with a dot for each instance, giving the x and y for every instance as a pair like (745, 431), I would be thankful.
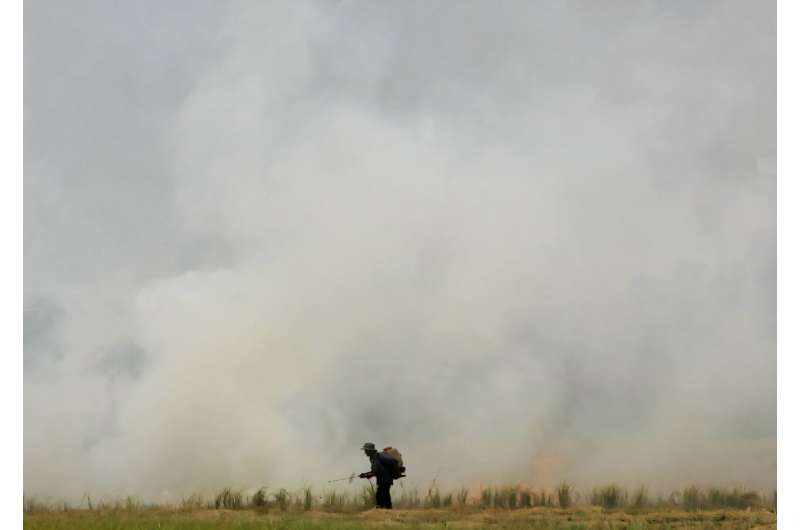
(522, 241)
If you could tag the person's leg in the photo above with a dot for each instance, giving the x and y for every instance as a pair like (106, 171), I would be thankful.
(387, 501)
(380, 496)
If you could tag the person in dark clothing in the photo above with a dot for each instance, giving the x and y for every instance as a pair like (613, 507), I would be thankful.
(380, 469)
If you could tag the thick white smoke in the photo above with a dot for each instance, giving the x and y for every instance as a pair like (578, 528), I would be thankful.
(529, 246)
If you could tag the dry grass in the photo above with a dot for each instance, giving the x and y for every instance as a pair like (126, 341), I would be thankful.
(564, 492)
(608, 507)
(576, 518)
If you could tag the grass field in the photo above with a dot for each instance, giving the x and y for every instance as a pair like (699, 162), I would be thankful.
(608, 508)
(583, 518)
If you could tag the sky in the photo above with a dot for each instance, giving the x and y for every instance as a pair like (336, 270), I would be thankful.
(523, 242)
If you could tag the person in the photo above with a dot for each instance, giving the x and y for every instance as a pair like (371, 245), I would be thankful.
(380, 468)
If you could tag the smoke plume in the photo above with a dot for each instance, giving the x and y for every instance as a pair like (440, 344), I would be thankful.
(523, 242)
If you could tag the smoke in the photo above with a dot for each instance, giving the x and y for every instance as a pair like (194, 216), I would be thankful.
(521, 242)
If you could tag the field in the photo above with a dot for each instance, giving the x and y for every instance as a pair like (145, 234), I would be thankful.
(607, 508)
(578, 518)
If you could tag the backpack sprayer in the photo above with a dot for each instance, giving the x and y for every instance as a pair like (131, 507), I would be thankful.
(391, 456)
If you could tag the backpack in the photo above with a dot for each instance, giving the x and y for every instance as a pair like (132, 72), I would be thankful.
(394, 459)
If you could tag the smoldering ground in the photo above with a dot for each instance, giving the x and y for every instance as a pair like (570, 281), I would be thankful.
(523, 242)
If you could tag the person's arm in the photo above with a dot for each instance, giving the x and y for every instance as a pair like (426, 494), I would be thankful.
(375, 470)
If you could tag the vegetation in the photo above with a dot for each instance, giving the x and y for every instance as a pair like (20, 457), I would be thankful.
(462, 496)
(367, 496)
(229, 500)
(609, 497)
(692, 499)
(640, 499)
(517, 507)
(409, 498)
(259, 499)
(564, 497)
(529, 518)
